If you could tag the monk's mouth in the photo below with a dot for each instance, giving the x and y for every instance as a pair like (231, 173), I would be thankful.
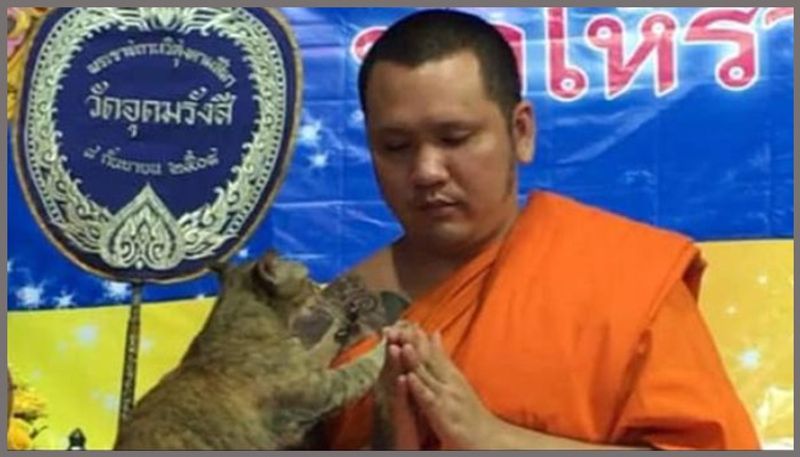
(438, 208)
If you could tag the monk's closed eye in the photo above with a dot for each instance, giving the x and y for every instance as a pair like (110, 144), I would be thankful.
(396, 146)
(455, 138)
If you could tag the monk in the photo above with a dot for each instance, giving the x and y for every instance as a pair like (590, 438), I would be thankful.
(552, 326)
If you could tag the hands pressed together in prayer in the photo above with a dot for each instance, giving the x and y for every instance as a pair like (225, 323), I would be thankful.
(426, 396)
(423, 398)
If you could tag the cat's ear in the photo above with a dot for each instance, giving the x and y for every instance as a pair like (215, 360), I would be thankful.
(265, 271)
(219, 267)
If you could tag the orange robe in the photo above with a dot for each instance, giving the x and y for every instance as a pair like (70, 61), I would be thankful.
(584, 325)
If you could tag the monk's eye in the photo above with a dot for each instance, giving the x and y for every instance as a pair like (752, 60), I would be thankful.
(455, 138)
(395, 147)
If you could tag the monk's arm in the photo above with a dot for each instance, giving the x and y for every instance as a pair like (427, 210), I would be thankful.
(682, 397)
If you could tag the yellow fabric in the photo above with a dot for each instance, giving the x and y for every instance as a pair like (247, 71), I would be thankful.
(74, 357)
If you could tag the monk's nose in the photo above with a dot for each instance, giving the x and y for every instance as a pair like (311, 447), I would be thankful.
(429, 167)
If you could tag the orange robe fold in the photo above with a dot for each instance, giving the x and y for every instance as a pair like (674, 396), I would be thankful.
(584, 325)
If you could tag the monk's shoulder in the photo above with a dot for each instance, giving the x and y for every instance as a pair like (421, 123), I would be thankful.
(583, 220)
(615, 256)
(373, 280)
(377, 270)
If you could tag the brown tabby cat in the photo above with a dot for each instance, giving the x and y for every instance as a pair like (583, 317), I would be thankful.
(256, 376)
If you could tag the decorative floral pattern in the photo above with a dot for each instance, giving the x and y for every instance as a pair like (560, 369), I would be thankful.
(27, 413)
(20, 23)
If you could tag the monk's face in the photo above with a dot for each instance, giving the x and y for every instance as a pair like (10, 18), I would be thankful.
(443, 152)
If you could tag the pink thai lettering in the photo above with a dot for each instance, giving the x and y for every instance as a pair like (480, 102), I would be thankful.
(657, 30)
(364, 41)
(564, 81)
(775, 15)
(626, 53)
(712, 25)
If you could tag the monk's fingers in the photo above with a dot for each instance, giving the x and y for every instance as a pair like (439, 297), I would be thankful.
(392, 366)
(424, 340)
(396, 360)
(394, 332)
(410, 358)
(415, 356)
(395, 354)
(428, 350)
(431, 382)
(413, 344)
(412, 333)
(389, 333)
(403, 326)
(403, 410)
(408, 334)
(420, 340)
(404, 420)
(418, 349)
(423, 395)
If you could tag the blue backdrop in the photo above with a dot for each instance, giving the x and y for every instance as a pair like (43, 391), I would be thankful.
(680, 117)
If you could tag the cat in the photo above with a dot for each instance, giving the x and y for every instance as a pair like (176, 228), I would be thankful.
(256, 376)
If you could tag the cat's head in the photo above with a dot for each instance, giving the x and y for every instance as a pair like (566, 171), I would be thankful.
(283, 285)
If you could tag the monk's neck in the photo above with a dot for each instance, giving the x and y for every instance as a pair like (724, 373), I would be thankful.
(420, 268)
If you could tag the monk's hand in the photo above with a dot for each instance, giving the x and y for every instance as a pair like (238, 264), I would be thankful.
(451, 406)
(397, 424)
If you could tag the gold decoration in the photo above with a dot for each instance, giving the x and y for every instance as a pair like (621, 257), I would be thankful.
(143, 233)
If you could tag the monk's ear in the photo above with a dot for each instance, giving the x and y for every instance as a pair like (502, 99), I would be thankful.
(523, 131)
